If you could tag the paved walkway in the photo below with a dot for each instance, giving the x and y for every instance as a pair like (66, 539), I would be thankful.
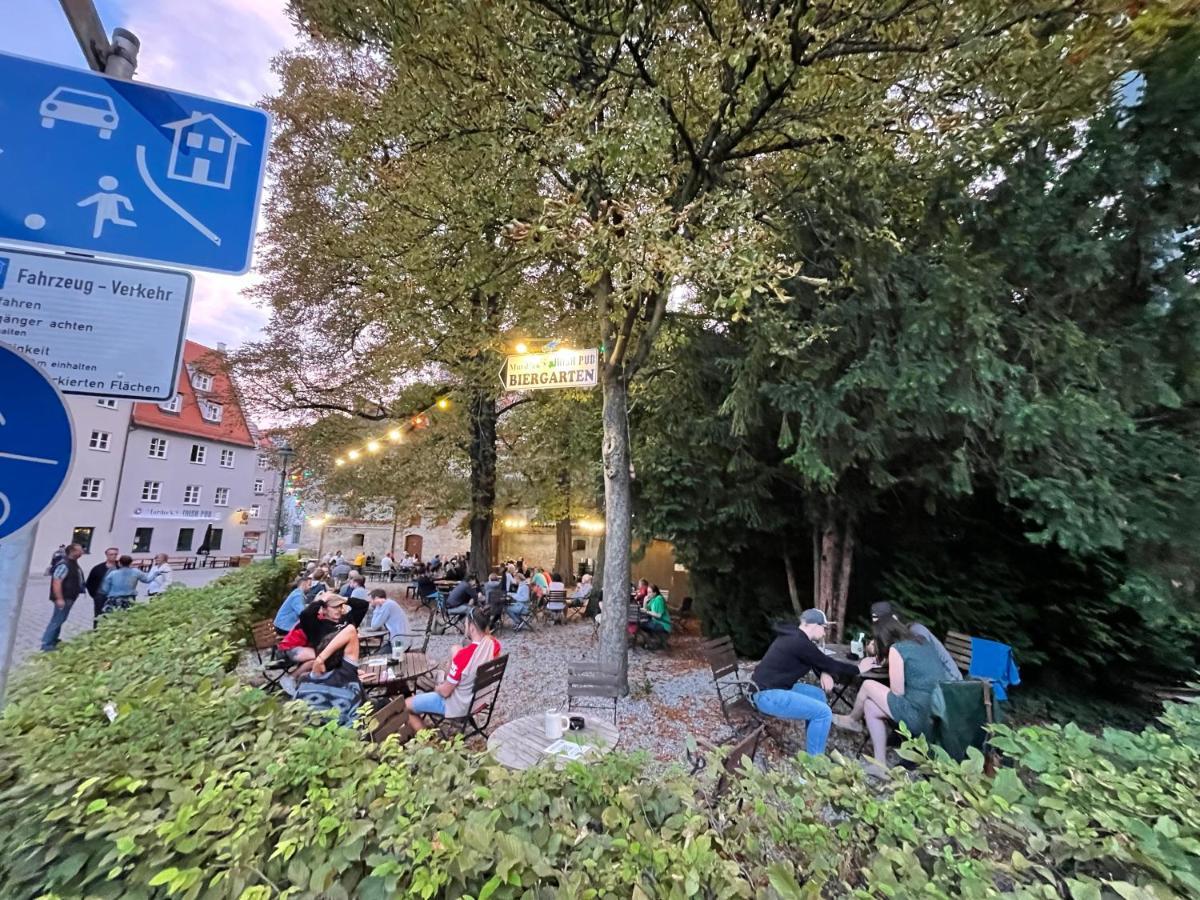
(36, 608)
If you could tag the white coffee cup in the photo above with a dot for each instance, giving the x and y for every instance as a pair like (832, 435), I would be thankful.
(555, 724)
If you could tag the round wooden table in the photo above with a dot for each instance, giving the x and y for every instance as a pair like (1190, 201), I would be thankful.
(379, 677)
(522, 743)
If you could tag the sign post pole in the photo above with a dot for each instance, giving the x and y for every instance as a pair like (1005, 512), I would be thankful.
(16, 556)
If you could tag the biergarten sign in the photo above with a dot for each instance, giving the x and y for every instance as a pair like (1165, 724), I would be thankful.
(545, 371)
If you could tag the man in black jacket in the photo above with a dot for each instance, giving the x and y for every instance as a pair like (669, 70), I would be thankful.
(95, 581)
(66, 584)
(791, 656)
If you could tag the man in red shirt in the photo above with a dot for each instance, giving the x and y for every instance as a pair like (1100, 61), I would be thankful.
(452, 698)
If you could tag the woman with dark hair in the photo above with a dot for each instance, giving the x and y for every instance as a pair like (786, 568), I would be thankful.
(452, 698)
(913, 672)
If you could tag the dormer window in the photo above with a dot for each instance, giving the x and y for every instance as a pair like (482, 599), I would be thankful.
(211, 412)
(173, 405)
(201, 381)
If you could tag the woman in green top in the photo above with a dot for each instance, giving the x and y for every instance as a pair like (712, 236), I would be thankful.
(914, 670)
(658, 619)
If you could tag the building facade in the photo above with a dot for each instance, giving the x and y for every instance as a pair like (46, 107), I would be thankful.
(177, 477)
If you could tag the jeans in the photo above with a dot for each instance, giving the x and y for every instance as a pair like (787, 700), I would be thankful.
(57, 620)
(802, 701)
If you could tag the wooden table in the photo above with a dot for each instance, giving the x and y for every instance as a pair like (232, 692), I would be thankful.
(521, 743)
(370, 640)
(379, 677)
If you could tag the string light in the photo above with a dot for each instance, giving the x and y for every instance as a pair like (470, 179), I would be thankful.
(521, 348)
(395, 435)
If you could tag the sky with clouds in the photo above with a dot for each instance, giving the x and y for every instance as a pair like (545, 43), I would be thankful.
(219, 48)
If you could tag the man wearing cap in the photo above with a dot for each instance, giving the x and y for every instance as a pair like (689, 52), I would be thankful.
(791, 656)
(883, 609)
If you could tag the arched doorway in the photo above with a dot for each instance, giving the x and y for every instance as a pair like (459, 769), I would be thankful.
(412, 544)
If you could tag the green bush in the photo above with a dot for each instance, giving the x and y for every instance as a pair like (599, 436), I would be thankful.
(203, 787)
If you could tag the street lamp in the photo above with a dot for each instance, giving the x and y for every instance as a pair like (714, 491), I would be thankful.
(285, 456)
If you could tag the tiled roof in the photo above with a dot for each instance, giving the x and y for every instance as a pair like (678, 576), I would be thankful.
(233, 427)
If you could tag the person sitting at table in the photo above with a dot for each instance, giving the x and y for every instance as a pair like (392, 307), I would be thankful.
(387, 613)
(556, 583)
(318, 586)
(656, 619)
(914, 670)
(461, 596)
(582, 591)
(292, 606)
(642, 592)
(883, 609)
(518, 604)
(319, 620)
(340, 570)
(360, 560)
(537, 583)
(347, 587)
(120, 585)
(452, 698)
(781, 692)
(426, 586)
(333, 682)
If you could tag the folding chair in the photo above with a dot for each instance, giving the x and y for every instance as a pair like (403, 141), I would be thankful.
(599, 686)
(483, 702)
(556, 607)
(522, 620)
(446, 621)
(263, 637)
(733, 692)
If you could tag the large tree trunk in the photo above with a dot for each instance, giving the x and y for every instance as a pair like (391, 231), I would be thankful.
(617, 508)
(562, 530)
(793, 590)
(483, 481)
(832, 573)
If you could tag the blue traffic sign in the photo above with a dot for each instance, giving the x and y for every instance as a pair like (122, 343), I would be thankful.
(121, 168)
(35, 441)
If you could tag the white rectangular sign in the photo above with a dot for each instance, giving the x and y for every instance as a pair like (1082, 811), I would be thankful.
(157, 512)
(96, 327)
(560, 369)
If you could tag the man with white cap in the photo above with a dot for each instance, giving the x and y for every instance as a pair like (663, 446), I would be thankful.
(781, 692)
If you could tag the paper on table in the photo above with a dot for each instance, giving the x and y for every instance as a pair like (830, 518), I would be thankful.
(568, 750)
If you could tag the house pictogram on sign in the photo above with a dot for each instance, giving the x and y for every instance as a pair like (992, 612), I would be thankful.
(203, 150)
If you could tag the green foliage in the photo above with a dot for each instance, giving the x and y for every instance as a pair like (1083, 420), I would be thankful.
(202, 787)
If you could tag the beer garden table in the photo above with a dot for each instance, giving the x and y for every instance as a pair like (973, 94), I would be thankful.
(379, 675)
(522, 743)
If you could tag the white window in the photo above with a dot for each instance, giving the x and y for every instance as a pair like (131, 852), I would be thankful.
(263, 462)
(195, 140)
(199, 454)
(175, 404)
(255, 511)
(211, 412)
(227, 458)
(107, 402)
(202, 382)
(151, 491)
(221, 497)
(158, 448)
(99, 440)
(90, 489)
(191, 494)
(258, 485)
(216, 144)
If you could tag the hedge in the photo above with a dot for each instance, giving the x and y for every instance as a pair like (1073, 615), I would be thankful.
(203, 787)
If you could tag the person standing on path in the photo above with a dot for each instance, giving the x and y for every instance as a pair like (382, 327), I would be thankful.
(66, 584)
(120, 585)
(95, 581)
(160, 574)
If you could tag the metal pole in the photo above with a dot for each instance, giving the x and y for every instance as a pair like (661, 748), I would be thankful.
(123, 54)
(16, 556)
(279, 511)
(89, 31)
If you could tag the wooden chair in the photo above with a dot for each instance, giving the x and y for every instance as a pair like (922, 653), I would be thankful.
(733, 691)
(419, 642)
(681, 613)
(483, 702)
(391, 718)
(264, 637)
(958, 645)
(744, 747)
(556, 607)
(592, 686)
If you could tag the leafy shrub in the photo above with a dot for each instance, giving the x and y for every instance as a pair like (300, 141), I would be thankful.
(205, 788)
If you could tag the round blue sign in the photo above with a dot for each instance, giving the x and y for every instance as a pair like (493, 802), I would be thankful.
(35, 441)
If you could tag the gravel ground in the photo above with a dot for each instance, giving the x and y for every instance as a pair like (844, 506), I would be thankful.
(671, 693)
